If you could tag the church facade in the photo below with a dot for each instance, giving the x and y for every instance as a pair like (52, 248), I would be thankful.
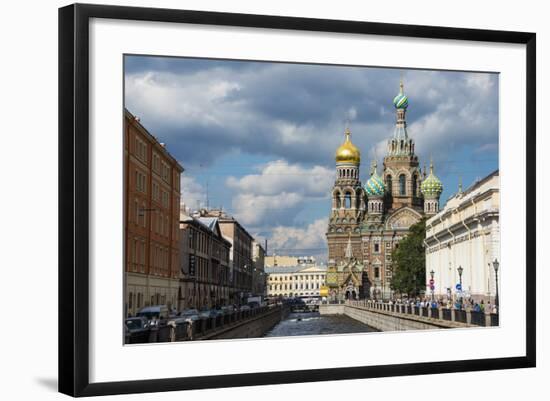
(367, 221)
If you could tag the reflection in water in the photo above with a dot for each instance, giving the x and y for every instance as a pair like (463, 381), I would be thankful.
(304, 324)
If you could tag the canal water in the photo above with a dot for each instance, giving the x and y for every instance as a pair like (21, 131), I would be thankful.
(307, 324)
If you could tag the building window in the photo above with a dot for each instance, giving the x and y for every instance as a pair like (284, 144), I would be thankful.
(376, 272)
(141, 149)
(402, 187)
(337, 202)
(376, 248)
(414, 184)
(389, 184)
(347, 200)
(143, 215)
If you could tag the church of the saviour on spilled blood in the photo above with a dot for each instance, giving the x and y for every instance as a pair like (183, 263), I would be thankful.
(367, 221)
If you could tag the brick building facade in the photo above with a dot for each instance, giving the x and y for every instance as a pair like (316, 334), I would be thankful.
(151, 219)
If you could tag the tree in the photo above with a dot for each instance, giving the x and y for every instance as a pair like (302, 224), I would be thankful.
(409, 262)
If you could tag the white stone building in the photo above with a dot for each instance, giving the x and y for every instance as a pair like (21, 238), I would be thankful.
(466, 234)
(295, 281)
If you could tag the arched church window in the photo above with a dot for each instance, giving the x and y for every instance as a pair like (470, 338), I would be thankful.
(402, 189)
(337, 198)
(347, 200)
(414, 184)
(389, 183)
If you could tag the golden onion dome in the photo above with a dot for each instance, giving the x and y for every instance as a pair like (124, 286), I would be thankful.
(348, 152)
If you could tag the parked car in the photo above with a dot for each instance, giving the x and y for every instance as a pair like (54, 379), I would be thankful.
(253, 305)
(155, 314)
(190, 314)
(244, 308)
(136, 324)
(209, 313)
(228, 309)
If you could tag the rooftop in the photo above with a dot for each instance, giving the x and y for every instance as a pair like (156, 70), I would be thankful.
(295, 269)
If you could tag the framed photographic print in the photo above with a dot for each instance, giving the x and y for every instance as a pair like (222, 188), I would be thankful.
(235, 189)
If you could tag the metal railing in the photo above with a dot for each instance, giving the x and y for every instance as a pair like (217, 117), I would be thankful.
(471, 317)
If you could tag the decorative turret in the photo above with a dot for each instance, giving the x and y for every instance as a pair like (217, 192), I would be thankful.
(375, 190)
(375, 185)
(431, 189)
(347, 186)
(400, 144)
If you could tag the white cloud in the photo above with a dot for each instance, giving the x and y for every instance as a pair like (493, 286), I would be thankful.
(278, 192)
(252, 209)
(280, 176)
(193, 194)
(352, 113)
(306, 241)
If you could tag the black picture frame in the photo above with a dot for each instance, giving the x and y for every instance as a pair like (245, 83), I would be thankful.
(74, 198)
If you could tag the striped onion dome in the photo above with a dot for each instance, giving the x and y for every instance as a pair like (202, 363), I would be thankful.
(401, 101)
(431, 186)
(375, 186)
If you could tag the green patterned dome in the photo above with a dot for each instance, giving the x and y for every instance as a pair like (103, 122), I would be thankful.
(401, 101)
(431, 186)
(375, 186)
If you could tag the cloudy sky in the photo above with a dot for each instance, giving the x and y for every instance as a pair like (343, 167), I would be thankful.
(258, 139)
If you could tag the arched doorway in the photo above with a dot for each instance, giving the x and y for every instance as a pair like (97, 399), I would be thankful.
(351, 292)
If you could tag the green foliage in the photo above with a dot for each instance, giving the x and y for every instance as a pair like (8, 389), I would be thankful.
(409, 262)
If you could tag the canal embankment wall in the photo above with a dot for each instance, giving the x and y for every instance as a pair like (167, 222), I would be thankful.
(253, 327)
(384, 320)
(240, 324)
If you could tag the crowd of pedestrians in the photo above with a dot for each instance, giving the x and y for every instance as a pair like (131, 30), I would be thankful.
(469, 304)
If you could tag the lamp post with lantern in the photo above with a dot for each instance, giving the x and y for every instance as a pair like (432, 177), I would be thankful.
(495, 266)
(460, 270)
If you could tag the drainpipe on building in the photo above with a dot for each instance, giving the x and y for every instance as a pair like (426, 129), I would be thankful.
(452, 279)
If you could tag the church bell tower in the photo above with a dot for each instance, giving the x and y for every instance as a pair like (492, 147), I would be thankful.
(348, 200)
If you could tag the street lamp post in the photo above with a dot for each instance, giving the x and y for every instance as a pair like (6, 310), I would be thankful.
(495, 266)
(460, 270)
(432, 287)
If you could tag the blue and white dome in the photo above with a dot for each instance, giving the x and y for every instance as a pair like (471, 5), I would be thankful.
(375, 185)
